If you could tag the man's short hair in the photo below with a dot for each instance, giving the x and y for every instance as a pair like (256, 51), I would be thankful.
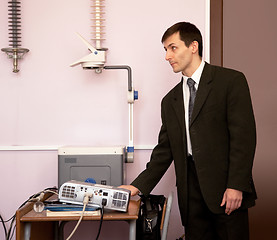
(188, 33)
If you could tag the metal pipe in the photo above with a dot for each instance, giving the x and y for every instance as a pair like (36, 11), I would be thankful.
(129, 73)
(130, 148)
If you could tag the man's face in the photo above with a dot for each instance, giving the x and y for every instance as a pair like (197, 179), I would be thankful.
(178, 54)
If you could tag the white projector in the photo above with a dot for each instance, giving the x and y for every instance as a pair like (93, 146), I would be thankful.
(109, 197)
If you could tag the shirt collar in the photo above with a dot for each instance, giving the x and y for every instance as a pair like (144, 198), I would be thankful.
(197, 74)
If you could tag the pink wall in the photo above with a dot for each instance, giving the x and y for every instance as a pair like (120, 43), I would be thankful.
(49, 103)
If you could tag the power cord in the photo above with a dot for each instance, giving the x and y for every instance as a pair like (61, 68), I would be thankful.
(10, 232)
(4, 226)
(101, 221)
(85, 202)
(38, 197)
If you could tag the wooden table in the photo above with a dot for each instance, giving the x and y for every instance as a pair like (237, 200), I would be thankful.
(39, 226)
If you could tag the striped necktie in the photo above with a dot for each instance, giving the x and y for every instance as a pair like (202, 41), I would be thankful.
(192, 92)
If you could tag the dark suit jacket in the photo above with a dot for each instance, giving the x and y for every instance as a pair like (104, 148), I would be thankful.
(223, 138)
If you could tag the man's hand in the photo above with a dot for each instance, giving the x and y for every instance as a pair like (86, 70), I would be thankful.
(134, 190)
(232, 199)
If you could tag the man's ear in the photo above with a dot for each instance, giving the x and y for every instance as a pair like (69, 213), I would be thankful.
(194, 45)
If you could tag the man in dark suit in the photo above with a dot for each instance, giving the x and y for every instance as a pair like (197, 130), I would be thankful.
(208, 131)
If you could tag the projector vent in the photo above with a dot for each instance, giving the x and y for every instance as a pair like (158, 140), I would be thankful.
(120, 200)
(68, 191)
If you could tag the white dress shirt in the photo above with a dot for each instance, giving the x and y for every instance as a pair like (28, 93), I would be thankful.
(196, 77)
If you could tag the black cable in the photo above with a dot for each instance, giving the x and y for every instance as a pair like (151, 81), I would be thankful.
(13, 231)
(5, 221)
(9, 236)
(101, 221)
(4, 226)
(10, 232)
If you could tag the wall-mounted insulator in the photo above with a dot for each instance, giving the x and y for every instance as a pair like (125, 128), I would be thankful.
(97, 57)
(14, 50)
(98, 22)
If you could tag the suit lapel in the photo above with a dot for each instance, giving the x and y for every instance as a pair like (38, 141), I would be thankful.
(201, 96)
(203, 91)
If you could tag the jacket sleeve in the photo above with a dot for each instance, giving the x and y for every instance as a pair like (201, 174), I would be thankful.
(160, 161)
(242, 131)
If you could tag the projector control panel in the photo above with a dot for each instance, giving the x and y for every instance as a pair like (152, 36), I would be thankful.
(109, 197)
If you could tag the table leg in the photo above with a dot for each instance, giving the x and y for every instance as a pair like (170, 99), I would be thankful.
(27, 231)
(132, 230)
(61, 230)
(56, 230)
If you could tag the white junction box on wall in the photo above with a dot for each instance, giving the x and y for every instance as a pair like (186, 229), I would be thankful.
(104, 165)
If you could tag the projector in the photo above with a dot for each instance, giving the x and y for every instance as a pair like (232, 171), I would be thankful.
(109, 197)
